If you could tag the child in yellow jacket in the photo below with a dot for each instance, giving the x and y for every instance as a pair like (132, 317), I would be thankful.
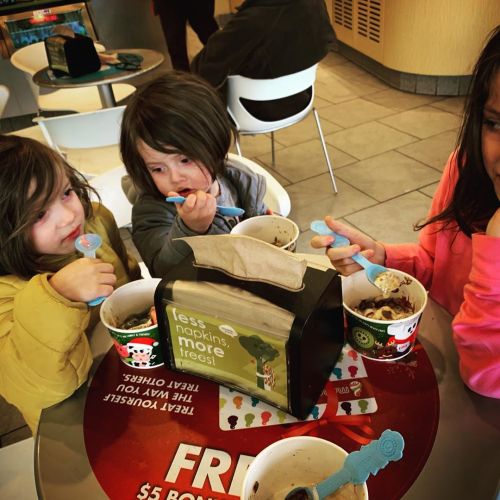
(44, 283)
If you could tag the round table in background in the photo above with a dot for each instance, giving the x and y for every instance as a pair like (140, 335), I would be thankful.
(103, 78)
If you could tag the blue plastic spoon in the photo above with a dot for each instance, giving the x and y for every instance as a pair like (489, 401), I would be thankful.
(88, 244)
(227, 211)
(372, 270)
(357, 467)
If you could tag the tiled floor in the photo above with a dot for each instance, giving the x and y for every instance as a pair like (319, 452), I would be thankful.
(388, 149)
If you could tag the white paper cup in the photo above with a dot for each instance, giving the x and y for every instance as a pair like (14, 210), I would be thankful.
(137, 348)
(377, 339)
(274, 229)
(296, 461)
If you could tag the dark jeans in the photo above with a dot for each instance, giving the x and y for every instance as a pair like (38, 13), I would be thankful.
(173, 17)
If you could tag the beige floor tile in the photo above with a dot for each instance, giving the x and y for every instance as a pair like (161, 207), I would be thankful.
(352, 113)
(305, 160)
(433, 151)
(429, 190)
(388, 175)
(392, 221)
(314, 198)
(305, 130)
(255, 145)
(273, 171)
(333, 59)
(423, 122)
(398, 100)
(10, 417)
(320, 103)
(334, 90)
(368, 139)
(348, 70)
(451, 104)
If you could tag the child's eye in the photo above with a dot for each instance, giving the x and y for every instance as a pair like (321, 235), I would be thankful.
(185, 160)
(157, 170)
(493, 125)
(40, 215)
(68, 192)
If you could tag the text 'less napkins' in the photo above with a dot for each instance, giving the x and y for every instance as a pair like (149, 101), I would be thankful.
(252, 317)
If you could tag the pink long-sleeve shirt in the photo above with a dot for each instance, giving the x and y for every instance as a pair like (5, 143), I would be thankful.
(463, 275)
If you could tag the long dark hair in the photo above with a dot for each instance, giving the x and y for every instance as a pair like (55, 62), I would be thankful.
(474, 200)
(176, 113)
(25, 163)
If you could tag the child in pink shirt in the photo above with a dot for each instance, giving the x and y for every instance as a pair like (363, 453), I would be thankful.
(457, 257)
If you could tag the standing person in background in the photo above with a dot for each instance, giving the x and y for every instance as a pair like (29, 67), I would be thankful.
(174, 14)
(457, 257)
(268, 39)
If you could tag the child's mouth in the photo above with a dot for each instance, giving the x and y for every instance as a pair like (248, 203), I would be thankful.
(74, 234)
(186, 192)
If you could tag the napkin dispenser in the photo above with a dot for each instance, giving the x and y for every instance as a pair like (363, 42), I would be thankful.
(71, 55)
(272, 343)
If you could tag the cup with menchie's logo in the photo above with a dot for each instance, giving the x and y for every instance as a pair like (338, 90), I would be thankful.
(378, 327)
(129, 316)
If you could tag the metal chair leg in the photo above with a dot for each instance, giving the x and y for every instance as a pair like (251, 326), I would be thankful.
(272, 148)
(237, 144)
(325, 152)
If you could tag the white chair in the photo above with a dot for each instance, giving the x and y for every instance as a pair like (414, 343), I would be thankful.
(276, 197)
(32, 58)
(108, 185)
(239, 87)
(88, 141)
(4, 97)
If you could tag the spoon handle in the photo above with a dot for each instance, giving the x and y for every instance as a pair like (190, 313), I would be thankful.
(227, 211)
(87, 244)
(368, 460)
(333, 483)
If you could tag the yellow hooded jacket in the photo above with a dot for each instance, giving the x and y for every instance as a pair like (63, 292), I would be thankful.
(44, 351)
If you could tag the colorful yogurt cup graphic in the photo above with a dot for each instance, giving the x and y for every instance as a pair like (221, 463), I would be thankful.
(273, 229)
(140, 347)
(294, 461)
(382, 340)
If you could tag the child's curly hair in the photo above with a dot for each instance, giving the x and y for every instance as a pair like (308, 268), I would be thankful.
(30, 176)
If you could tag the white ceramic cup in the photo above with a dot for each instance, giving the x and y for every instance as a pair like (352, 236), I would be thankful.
(274, 229)
(296, 461)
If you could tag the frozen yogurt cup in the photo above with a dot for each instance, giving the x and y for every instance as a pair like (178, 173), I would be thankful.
(274, 229)
(383, 340)
(297, 461)
(140, 347)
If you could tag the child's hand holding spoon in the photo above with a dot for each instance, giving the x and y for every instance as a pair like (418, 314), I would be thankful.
(88, 279)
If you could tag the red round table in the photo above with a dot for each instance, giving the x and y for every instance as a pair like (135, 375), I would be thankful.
(155, 433)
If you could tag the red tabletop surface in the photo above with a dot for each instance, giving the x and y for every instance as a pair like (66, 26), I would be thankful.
(154, 434)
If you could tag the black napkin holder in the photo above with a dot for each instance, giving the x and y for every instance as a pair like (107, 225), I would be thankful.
(73, 56)
(307, 356)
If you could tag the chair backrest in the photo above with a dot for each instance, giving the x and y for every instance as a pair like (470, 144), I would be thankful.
(239, 87)
(276, 197)
(108, 185)
(4, 97)
(93, 129)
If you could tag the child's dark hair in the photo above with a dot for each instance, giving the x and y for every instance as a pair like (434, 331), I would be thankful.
(176, 113)
(30, 177)
(474, 200)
